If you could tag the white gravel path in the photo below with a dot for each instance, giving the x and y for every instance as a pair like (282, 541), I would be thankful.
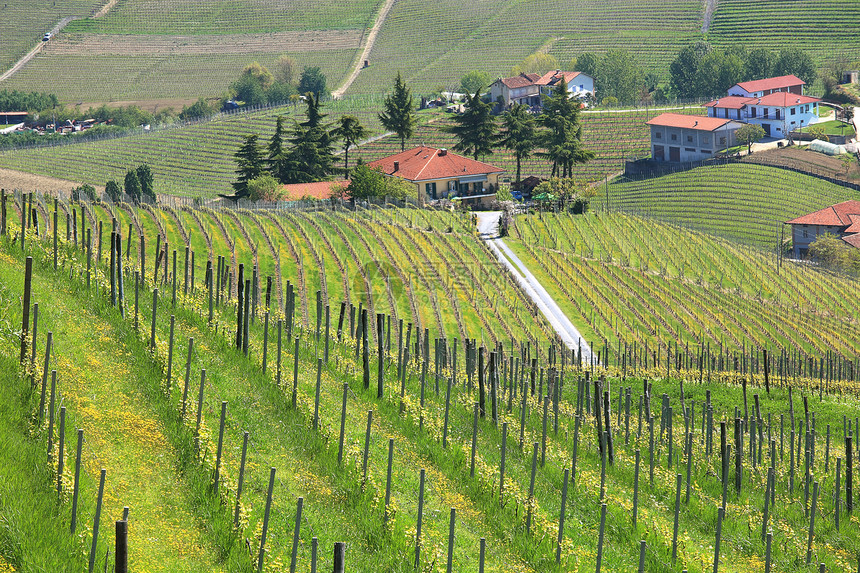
(488, 225)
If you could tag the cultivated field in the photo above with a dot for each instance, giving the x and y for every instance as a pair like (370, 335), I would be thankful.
(525, 480)
(740, 202)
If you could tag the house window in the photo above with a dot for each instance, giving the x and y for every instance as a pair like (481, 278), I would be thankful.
(689, 139)
(778, 113)
(752, 112)
(658, 135)
(706, 140)
(765, 112)
(674, 137)
(793, 110)
(690, 149)
(805, 233)
(464, 188)
(722, 141)
(807, 108)
(430, 189)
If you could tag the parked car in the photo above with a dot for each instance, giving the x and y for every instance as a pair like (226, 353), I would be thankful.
(46, 37)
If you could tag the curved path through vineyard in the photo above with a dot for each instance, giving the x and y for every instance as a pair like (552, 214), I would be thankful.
(365, 53)
(488, 228)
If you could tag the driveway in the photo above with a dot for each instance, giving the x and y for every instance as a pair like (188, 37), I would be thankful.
(488, 230)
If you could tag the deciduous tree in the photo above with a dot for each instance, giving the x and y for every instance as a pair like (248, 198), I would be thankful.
(349, 131)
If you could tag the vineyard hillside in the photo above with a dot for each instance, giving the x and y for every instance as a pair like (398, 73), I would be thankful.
(197, 160)
(737, 201)
(244, 431)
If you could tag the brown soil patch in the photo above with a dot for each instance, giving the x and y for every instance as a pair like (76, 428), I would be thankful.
(11, 179)
(131, 45)
(805, 160)
(151, 105)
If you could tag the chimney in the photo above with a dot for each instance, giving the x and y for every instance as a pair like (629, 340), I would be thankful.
(443, 152)
(396, 166)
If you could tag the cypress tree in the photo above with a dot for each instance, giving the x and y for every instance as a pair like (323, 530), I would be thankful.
(249, 162)
(399, 114)
(475, 128)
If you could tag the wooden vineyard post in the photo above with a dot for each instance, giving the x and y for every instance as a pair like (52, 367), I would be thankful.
(482, 555)
(187, 376)
(173, 278)
(89, 257)
(293, 554)
(112, 268)
(220, 445)
(246, 317)
(210, 289)
(199, 408)
(342, 425)
(849, 475)
(600, 537)
(97, 519)
(241, 294)
(51, 415)
(3, 212)
(121, 547)
(278, 357)
(418, 522)
(295, 372)
(241, 479)
(262, 553)
(365, 350)
(314, 550)
(502, 463)
(450, 567)
(77, 486)
(678, 479)
(317, 395)
(366, 446)
(265, 340)
(327, 332)
(170, 355)
(61, 460)
(767, 551)
(636, 488)
(25, 320)
(340, 321)
(388, 480)
(561, 516)
(154, 313)
(530, 500)
(812, 523)
(739, 452)
(447, 408)
(720, 515)
(339, 557)
(120, 283)
(379, 353)
(474, 440)
(642, 547)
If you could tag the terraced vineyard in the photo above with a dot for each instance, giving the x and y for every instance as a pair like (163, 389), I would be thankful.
(637, 281)
(524, 486)
(818, 29)
(195, 159)
(25, 22)
(741, 202)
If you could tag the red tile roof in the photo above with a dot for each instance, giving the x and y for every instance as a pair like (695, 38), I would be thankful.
(318, 190)
(853, 240)
(730, 102)
(776, 83)
(785, 99)
(551, 77)
(838, 215)
(520, 81)
(689, 121)
(854, 227)
(428, 163)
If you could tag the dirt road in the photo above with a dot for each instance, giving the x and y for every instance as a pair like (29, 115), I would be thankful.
(368, 45)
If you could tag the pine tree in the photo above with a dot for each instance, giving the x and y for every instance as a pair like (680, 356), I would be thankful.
(311, 157)
(249, 161)
(132, 185)
(399, 114)
(350, 131)
(475, 128)
(147, 184)
(518, 135)
(276, 159)
(562, 139)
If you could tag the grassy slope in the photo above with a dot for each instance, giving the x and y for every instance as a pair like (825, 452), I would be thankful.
(280, 434)
(748, 203)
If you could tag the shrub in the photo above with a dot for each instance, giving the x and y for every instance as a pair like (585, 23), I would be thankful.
(113, 191)
(264, 188)
(85, 191)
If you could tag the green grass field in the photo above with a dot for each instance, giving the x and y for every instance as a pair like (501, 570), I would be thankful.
(740, 202)
(114, 376)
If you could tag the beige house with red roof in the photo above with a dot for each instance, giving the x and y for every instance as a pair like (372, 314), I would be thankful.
(440, 174)
(517, 89)
(679, 137)
(841, 220)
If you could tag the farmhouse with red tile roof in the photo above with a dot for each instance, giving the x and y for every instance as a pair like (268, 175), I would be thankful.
(679, 137)
(842, 220)
(528, 89)
(440, 174)
(761, 88)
